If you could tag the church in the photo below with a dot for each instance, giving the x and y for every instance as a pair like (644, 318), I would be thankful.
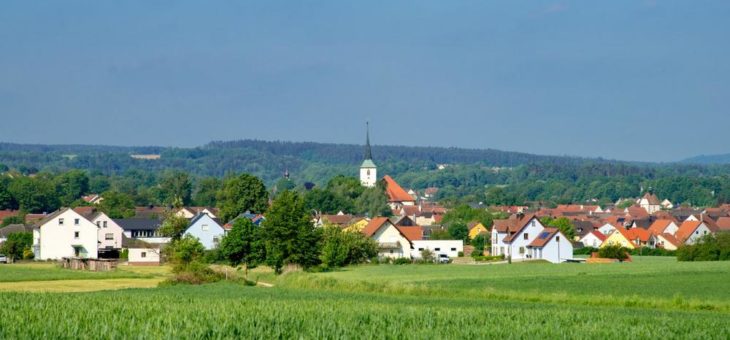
(397, 196)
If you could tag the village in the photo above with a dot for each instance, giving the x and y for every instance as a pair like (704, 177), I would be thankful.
(517, 233)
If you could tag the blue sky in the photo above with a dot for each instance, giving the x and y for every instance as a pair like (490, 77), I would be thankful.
(630, 80)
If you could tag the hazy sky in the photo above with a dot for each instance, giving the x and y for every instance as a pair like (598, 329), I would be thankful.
(633, 80)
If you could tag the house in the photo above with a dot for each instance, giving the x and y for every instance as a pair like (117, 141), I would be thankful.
(13, 228)
(207, 230)
(392, 242)
(397, 196)
(357, 225)
(690, 231)
(141, 253)
(593, 239)
(450, 248)
(667, 241)
(144, 229)
(663, 226)
(109, 235)
(667, 204)
(607, 229)
(582, 228)
(618, 237)
(92, 199)
(341, 220)
(650, 203)
(190, 212)
(477, 228)
(723, 224)
(551, 245)
(512, 236)
(65, 233)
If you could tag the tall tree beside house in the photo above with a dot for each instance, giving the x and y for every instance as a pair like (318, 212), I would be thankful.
(464, 214)
(242, 244)
(563, 223)
(6, 199)
(71, 185)
(117, 204)
(173, 226)
(175, 189)
(240, 194)
(341, 248)
(16, 244)
(36, 195)
(459, 231)
(206, 191)
(288, 233)
(373, 202)
(325, 201)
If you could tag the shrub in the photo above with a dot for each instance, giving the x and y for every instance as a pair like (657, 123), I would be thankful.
(488, 258)
(28, 254)
(427, 256)
(708, 248)
(124, 255)
(584, 251)
(613, 251)
(194, 273)
(646, 251)
(402, 260)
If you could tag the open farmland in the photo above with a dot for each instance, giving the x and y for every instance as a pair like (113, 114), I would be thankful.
(389, 301)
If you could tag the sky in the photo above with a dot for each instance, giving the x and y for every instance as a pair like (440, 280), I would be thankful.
(627, 80)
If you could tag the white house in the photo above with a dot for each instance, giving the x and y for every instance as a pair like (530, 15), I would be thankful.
(511, 237)
(190, 212)
(551, 245)
(392, 242)
(207, 230)
(65, 233)
(109, 233)
(650, 203)
(449, 247)
(144, 229)
(593, 239)
(607, 229)
(142, 253)
(691, 231)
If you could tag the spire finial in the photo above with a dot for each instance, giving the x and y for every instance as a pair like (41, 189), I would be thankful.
(368, 152)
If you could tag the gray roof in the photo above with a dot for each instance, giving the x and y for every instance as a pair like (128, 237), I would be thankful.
(14, 228)
(138, 223)
(368, 163)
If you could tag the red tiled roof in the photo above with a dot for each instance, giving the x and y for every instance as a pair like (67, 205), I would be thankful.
(599, 235)
(517, 226)
(671, 239)
(540, 242)
(374, 225)
(395, 192)
(640, 234)
(639, 212)
(686, 229)
(723, 223)
(412, 233)
(8, 213)
(659, 226)
(652, 199)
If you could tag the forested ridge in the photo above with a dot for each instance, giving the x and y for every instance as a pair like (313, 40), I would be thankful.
(470, 175)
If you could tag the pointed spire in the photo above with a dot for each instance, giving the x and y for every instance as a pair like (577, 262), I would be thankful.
(368, 152)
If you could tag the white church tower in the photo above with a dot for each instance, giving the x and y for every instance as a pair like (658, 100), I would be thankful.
(368, 170)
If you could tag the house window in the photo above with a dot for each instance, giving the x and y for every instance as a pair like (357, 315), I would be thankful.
(532, 223)
(60, 221)
(522, 250)
(98, 223)
(453, 249)
(557, 238)
(437, 249)
(216, 240)
(143, 254)
(104, 224)
(76, 221)
(76, 234)
(526, 236)
(420, 249)
(204, 227)
(108, 236)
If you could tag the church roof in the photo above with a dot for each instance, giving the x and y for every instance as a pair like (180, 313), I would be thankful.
(368, 163)
(395, 192)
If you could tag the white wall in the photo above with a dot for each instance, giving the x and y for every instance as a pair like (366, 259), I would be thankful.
(449, 247)
(591, 240)
(532, 230)
(144, 256)
(390, 234)
(207, 231)
(106, 226)
(58, 241)
(368, 176)
(701, 231)
(607, 229)
(556, 250)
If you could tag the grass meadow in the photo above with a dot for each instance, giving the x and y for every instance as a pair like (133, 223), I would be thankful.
(649, 298)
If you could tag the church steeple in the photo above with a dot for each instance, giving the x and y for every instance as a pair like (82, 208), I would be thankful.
(368, 170)
(368, 152)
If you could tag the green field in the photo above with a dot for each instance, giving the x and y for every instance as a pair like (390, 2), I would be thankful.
(650, 298)
(49, 272)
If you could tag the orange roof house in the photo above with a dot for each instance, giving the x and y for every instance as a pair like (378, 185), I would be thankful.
(397, 196)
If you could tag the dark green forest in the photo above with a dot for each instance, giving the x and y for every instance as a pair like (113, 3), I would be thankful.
(487, 176)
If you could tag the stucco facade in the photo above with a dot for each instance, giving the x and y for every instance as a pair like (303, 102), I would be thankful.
(66, 234)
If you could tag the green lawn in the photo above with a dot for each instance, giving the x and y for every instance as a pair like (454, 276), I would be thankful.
(651, 298)
(18, 272)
